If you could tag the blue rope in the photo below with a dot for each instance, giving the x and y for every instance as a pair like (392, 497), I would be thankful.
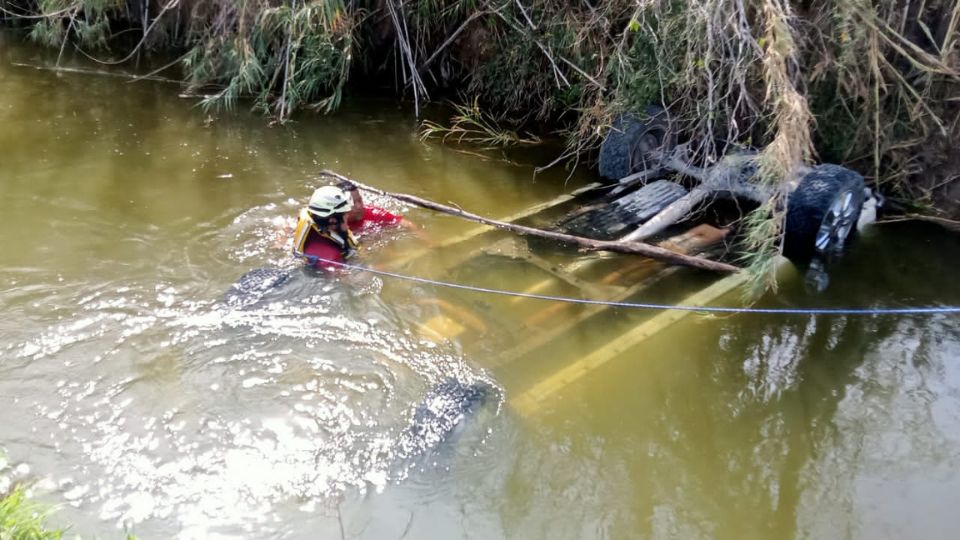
(646, 305)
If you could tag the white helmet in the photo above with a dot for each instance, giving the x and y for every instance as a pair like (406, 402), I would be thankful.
(329, 200)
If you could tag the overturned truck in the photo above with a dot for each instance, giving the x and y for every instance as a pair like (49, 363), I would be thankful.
(657, 186)
(657, 195)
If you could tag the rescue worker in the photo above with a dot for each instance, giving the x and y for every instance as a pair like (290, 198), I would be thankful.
(327, 229)
(322, 232)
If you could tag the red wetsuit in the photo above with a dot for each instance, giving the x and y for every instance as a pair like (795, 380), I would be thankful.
(374, 217)
(324, 250)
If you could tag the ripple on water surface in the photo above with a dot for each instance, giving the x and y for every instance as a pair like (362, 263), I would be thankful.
(192, 412)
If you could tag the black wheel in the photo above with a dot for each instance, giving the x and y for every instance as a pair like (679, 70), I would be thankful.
(253, 285)
(631, 140)
(437, 418)
(822, 213)
(613, 219)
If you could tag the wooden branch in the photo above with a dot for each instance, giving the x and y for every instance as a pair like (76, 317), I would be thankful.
(628, 182)
(36, 16)
(557, 72)
(583, 73)
(525, 16)
(636, 248)
(948, 224)
(450, 40)
(722, 178)
(403, 42)
(104, 73)
(286, 62)
(673, 213)
(146, 33)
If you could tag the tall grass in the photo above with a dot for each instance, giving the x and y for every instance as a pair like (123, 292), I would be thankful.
(21, 519)
(470, 125)
(281, 57)
(881, 77)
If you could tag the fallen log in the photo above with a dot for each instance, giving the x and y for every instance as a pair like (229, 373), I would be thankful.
(637, 248)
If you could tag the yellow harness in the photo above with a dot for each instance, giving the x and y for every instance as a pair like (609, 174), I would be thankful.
(348, 245)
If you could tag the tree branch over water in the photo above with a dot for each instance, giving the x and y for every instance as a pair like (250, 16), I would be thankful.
(636, 248)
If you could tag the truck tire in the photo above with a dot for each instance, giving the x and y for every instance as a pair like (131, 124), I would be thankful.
(822, 213)
(614, 219)
(251, 286)
(628, 144)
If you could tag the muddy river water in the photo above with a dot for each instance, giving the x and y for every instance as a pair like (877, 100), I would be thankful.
(133, 399)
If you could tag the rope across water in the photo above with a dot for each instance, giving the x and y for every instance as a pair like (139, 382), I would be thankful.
(922, 310)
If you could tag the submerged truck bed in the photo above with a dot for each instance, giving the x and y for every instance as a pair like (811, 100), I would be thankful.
(537, 322)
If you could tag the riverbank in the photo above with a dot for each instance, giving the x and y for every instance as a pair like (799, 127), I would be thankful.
(871, 87)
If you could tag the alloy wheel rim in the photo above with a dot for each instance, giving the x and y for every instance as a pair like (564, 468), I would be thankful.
(836, 225)
(650, 141)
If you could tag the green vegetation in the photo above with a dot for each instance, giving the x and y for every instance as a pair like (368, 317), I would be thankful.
(471, 125)
(871, 85)
(21, 519)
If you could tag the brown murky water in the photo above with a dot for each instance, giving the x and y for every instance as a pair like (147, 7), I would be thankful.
(134, 399)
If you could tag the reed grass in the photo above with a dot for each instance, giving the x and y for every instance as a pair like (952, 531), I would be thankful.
(21, 519)
(470, 125)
